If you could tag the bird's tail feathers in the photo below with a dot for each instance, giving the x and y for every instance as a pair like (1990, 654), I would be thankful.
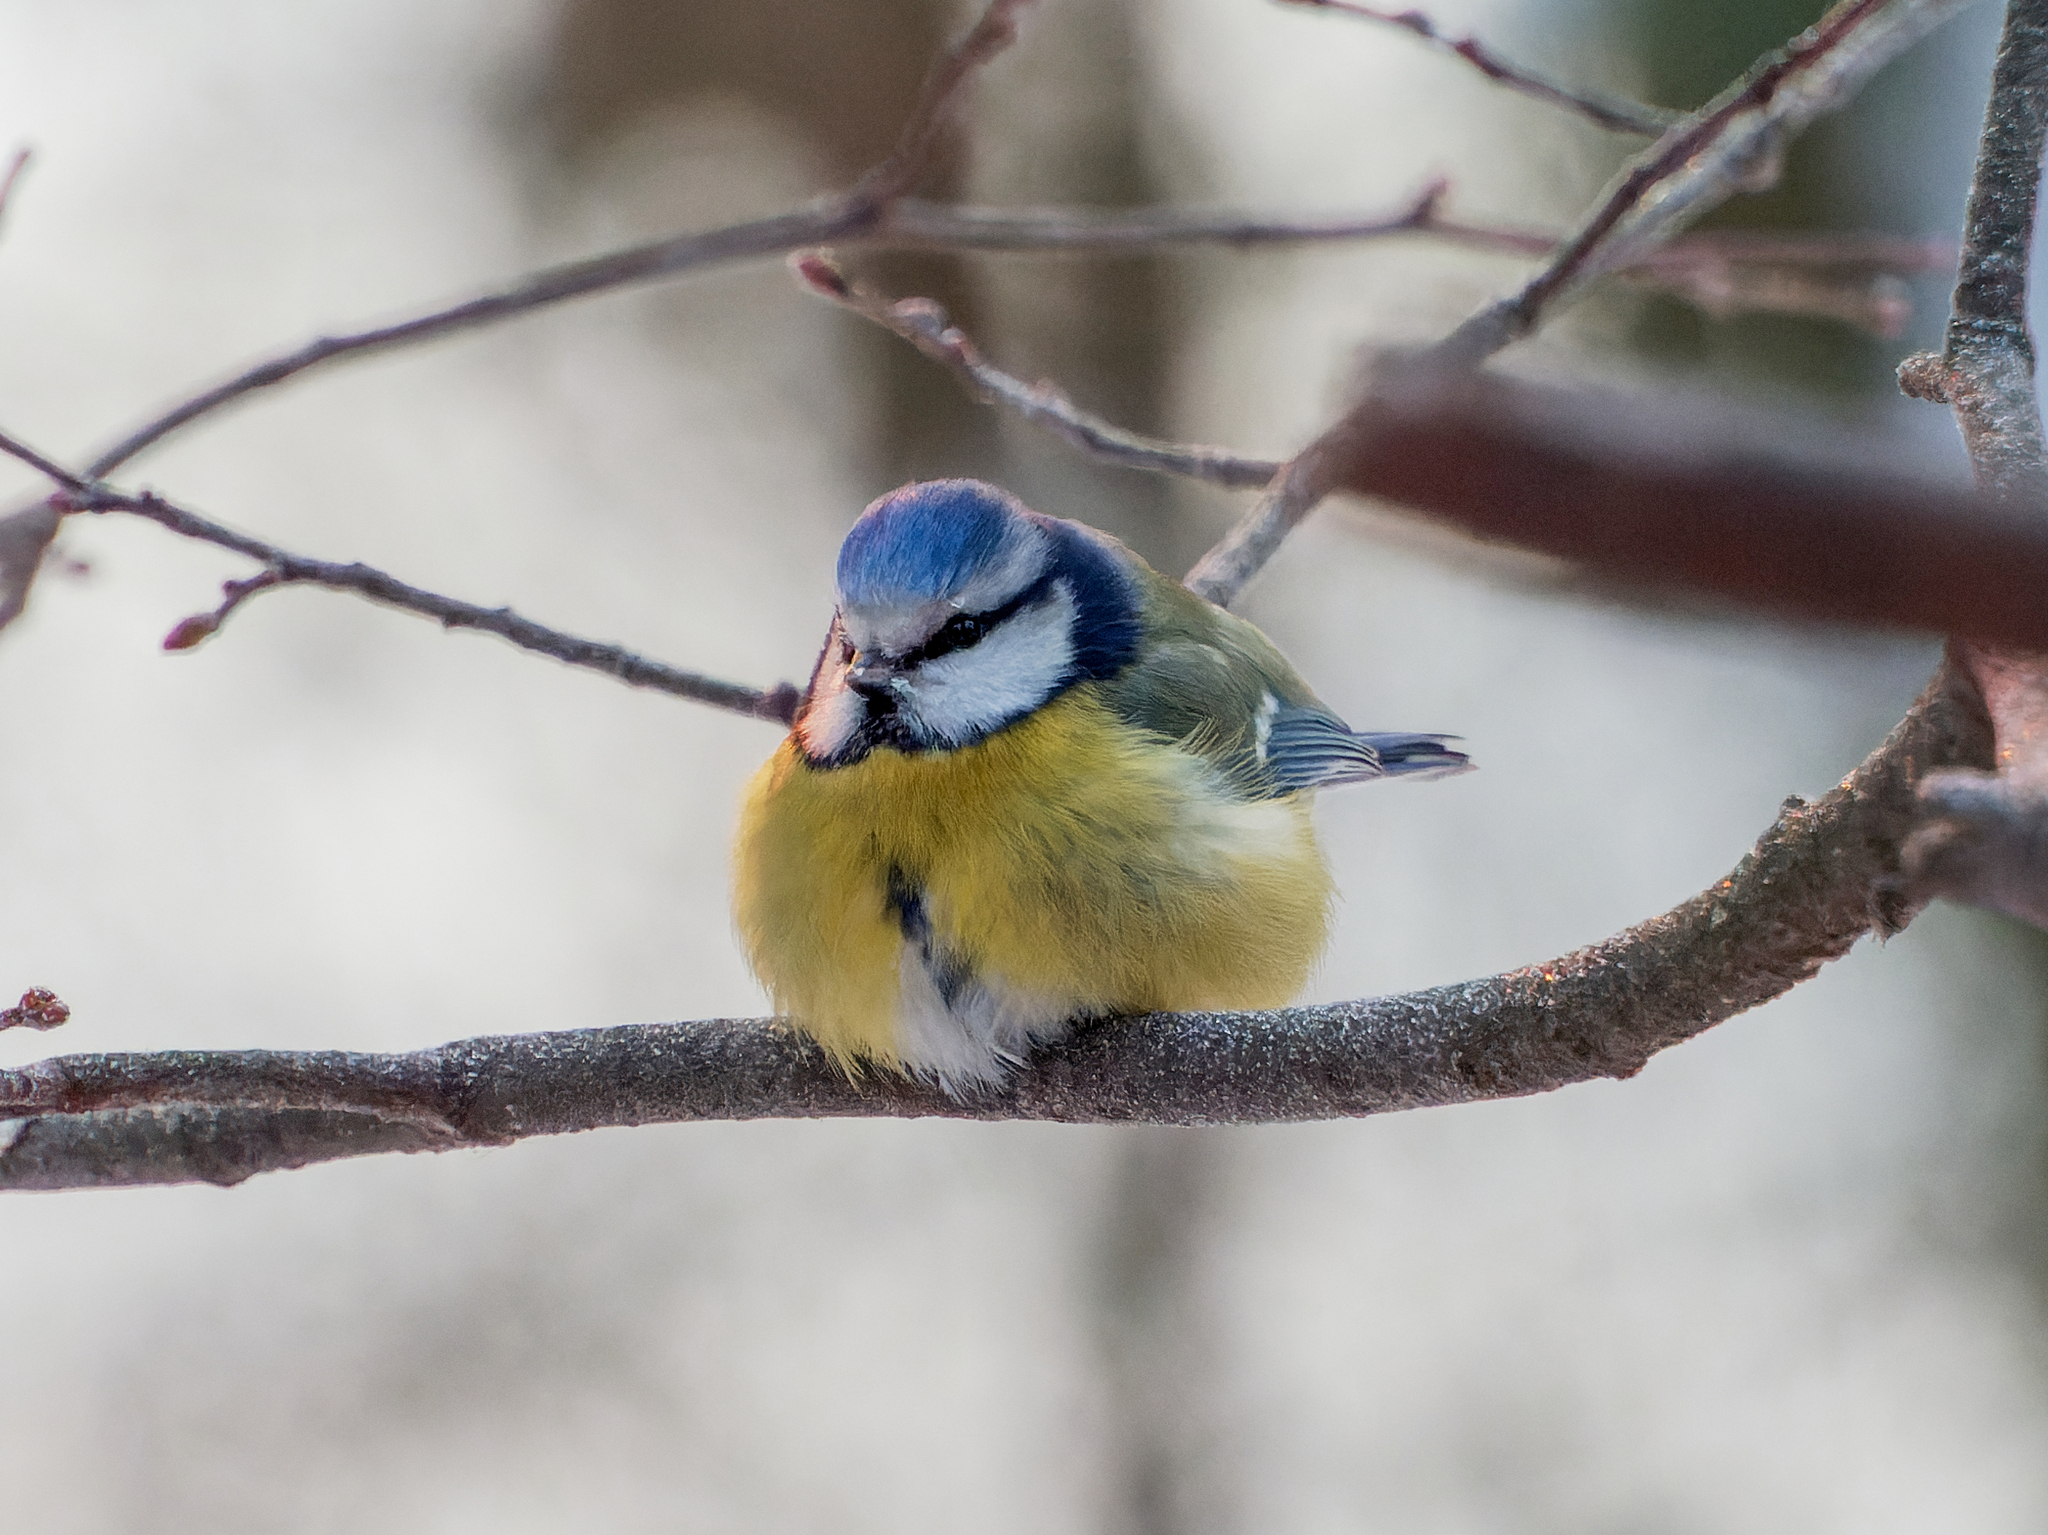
(1418, 755)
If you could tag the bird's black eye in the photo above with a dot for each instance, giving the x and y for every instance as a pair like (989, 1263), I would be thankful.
(964, 629)
(957, 633)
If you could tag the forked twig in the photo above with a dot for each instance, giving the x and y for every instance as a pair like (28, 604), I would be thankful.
(1724, 148)
(1606, 111)
(281, 568)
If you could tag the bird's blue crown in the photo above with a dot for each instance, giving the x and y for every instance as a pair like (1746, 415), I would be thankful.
(926, 541)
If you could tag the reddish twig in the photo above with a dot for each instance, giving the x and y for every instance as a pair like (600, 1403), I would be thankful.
(1660, 494)
(923, 323)
(39, 1008)
(1607, 111)
(940, 97)
(189, 633)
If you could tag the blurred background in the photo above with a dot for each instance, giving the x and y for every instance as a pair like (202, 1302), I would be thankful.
(1791, 1278)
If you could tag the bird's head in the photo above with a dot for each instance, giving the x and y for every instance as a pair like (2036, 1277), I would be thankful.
(961, 611)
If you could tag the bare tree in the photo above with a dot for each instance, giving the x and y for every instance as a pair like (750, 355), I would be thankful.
(1950, 803)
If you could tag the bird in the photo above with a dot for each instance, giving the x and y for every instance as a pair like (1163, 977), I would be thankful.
(1033, 782)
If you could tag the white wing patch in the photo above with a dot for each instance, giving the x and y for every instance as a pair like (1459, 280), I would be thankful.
(1262, 723)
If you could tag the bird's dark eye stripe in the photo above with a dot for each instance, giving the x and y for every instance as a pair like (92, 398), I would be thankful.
(964, 629)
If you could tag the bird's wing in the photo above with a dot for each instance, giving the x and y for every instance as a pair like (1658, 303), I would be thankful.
(1215, 686)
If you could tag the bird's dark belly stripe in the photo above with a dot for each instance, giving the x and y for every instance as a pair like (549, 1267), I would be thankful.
(949, 972)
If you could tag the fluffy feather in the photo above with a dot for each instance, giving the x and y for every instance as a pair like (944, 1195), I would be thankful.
(1065, 866)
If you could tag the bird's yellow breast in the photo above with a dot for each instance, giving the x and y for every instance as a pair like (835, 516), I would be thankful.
(1067, 856)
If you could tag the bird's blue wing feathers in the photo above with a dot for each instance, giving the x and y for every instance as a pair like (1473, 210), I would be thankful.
(1308, 748)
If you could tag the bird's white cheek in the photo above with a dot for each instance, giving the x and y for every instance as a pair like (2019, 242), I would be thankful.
(835, 713)
(963, 696)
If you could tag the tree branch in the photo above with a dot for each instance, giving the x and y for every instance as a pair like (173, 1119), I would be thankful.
(1729, 145)
(1841, 276)
(843, 221)
(1655, 495)
(1822, 876)
(1985, 841)
(923, 323)
(907, 225)
(1986, 370)
(1605, 111)
(1667, 495)
(282, 568)
(1813, 885)
(1733, 144)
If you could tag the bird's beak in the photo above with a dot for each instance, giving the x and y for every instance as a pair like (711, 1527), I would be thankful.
(874, 675)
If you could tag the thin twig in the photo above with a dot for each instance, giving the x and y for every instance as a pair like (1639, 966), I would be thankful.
(940, 97)
(619, 269)
(200, 627)
(1223, 573)
(923, 323)
(862, 207)
(283, 568)
(915, 225)
(1606, 111)
(910, 225)
(39, 1008)
(11, 177)
(46, 466)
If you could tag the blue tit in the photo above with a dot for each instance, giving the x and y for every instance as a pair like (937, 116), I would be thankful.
(1034, 781)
